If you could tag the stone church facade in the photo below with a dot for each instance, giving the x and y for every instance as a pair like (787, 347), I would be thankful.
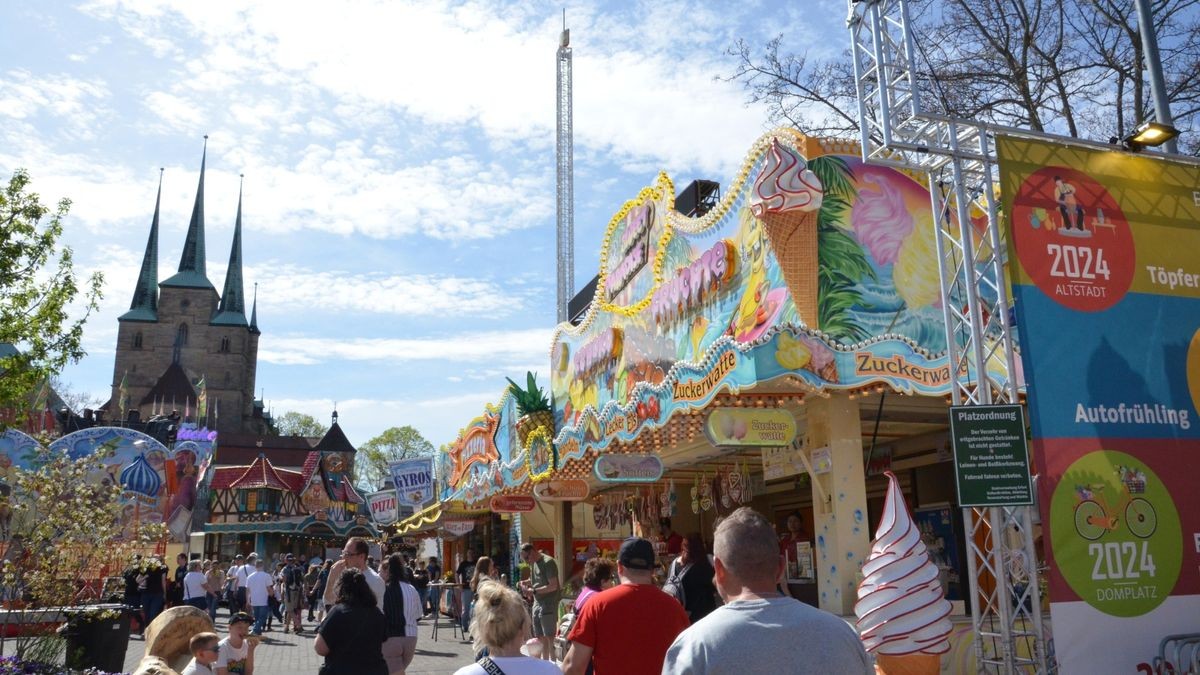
(182, 346)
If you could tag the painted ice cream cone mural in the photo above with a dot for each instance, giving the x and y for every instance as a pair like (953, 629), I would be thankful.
(901, 609)
(787, 199)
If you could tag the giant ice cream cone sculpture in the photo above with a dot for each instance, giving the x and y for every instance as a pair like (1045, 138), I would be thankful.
(902, 612)
(786, 198)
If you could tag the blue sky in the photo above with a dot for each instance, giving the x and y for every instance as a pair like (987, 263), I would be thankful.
(399, 162)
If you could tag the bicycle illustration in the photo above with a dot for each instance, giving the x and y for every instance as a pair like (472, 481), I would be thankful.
(1095, 515)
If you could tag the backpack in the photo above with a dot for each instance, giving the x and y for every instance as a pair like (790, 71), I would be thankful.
(674, 584)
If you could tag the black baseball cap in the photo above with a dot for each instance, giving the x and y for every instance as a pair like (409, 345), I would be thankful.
(636, 554)
(240, 617)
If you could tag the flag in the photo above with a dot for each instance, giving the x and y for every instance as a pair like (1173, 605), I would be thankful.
(123, 396)
(202, 400)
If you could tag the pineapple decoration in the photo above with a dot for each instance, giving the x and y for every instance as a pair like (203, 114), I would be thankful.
(533, 408)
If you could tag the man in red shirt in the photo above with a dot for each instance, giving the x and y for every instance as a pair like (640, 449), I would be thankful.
(627, 629)
(674, 539)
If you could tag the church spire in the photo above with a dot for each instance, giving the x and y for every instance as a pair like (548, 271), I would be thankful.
(254, 311)
(232, 310)
(145, 296)
(191, 272)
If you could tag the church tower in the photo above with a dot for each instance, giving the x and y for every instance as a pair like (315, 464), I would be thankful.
(181, 345)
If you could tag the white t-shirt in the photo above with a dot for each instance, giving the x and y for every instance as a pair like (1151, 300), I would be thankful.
(514, 665)
(412, 608)
(258, 587)
(194, 668)
(232, 658)
(376, 583)
(193, 585)
(242, 572)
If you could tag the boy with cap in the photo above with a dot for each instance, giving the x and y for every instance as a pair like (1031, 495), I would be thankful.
(638, 621)
(235, 654)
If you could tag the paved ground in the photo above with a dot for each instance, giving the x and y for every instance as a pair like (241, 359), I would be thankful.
(287, 654)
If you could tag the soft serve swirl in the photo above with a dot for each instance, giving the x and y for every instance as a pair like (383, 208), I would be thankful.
(785, 184)
(901, 608)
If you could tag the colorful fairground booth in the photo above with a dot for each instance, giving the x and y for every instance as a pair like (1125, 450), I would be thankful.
(780, 351)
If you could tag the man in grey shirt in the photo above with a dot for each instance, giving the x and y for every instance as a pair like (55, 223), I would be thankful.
(757, 630)
(545, 589)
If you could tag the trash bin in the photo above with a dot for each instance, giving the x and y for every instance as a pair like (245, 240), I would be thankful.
(97, 636)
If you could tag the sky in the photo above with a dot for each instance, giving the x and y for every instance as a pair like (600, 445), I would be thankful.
(399, 198)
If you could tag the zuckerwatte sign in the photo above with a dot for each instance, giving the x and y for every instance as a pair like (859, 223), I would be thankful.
(1106, 284)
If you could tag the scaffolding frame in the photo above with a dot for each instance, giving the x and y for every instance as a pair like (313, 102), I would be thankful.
(959, 158)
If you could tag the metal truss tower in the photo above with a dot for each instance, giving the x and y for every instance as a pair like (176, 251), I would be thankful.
(565, 179)
(960, 160)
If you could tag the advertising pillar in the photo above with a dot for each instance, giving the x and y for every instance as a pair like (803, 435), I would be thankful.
(1106, 281)
(839, 499)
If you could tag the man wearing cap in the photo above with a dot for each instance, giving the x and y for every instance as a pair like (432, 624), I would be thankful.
(235, 654)
(627, 629)
(544, 586)
(293, 594)
(238, 574)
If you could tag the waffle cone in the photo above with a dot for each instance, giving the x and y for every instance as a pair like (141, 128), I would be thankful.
(793, 236)
(909, 664)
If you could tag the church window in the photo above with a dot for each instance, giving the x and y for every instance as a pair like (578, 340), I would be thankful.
(228, 378)
(225, 343)
(137, 340)
(182, 335)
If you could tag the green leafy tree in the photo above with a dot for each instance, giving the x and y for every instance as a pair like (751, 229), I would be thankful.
(293, 423)
(392, 445)
(38, 286)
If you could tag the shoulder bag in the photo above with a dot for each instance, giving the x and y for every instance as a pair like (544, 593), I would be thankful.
(489, 666)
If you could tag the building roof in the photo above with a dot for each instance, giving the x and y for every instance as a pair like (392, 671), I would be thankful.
(254, 312)
(260, 474)
(174, 386)
(192, 272)
(232, 310)
(239, 449)
(144, 306)
(335, 440)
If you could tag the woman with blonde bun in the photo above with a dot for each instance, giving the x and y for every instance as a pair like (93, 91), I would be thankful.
(501, 624)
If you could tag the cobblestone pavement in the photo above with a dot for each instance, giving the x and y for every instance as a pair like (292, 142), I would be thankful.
(286, 654)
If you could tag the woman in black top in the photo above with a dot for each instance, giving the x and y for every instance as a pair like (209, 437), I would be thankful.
(696, 572)
(398, 649)
(351, 636)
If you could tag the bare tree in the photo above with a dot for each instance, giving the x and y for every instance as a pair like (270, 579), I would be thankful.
(1071, 67)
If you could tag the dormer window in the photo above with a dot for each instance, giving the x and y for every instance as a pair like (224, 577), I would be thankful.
(262, 500)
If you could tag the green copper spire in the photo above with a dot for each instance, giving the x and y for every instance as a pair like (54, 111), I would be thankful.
(145, 295)
(254, 312)
(232, 310)
(191, 264)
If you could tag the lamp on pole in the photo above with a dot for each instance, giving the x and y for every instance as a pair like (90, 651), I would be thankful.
(1158, 87)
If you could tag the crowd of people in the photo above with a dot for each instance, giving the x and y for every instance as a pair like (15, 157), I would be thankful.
(718, 613)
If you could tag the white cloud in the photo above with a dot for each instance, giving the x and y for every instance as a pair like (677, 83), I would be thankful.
(496, 347)
(438, 420)
(293, 287)
(78, 104)
(178, 114)
(644, 80)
